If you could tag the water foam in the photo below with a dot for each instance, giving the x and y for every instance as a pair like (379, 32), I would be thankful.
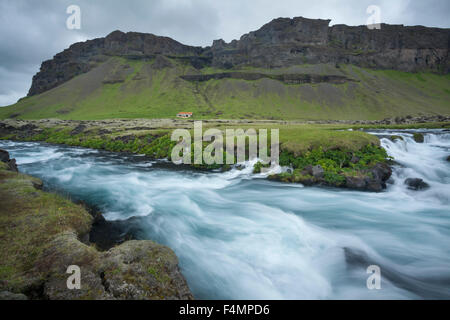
(241, 237)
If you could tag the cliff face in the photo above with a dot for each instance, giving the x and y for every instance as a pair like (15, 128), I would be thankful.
(84, 56)
(281, 43)
(285, 42)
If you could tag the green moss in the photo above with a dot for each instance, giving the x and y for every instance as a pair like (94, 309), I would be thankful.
(419, 138)
(29, 220)
(337, 164)
(395, 138)
(258, 167)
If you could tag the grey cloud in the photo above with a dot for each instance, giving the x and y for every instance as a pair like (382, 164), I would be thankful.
(34, 31)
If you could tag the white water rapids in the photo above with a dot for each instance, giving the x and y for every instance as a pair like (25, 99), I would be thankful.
(239, 236)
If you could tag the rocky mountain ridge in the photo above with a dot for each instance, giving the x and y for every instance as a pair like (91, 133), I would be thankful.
(281, 43)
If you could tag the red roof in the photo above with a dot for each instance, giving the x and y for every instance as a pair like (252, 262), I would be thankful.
(190, 113)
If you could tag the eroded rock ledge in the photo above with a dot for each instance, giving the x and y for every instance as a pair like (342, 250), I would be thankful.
(283, 42)
(42, 234)
(372, 179)
(285, 78)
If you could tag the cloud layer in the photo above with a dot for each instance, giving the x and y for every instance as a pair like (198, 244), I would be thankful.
(34, 31)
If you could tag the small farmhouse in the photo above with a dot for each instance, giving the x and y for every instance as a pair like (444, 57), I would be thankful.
(184, 115)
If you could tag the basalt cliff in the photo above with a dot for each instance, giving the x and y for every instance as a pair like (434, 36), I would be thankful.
(281, 43)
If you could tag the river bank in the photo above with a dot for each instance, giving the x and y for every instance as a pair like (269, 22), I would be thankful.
(324, 155)
(42, 234)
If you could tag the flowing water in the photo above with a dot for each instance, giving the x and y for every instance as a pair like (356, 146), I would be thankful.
(239, 236)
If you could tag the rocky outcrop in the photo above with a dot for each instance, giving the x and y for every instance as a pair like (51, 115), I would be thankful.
(43, 234)
(419, 138)
(283, 42)
(416, 184)
(394, 138)
(11, 163)
(285, 78)
(84, 56)
(135, 270)
(373, 180)
(4, 155)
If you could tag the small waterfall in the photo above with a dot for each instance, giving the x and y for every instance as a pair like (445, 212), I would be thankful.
(425, 161)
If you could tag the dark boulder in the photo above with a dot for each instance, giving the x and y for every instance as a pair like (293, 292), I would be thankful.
(374, 180)
(78, 129)
(6, 129)
(318, 172)
(357, 183)
(419, 138)
(381, 172)
(395, 138)
(38, 184)
(28, 129)
(308, 170)
(416, 184)
(375, 185)
(364, 184)
(448, 158)
(4, 156)
(107, 234)
(305, 180)
(126, 138)
(12, 165)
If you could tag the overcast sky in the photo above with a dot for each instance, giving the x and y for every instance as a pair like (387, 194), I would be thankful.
(32, 31)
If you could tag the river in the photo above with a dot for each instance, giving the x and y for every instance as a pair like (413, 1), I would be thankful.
(240, 236)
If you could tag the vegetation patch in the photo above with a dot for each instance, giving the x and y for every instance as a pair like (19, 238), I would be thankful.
(331, 167)
(42, 234)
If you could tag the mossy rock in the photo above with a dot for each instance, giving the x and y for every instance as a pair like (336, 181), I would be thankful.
(259, 166)
(143, 270)
(395, 138)
(419, 138)
(43, 234)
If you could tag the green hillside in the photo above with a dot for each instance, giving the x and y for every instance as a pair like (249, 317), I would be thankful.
(126, 88)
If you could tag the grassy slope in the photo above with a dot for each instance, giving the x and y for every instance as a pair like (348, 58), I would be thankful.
(148, 92)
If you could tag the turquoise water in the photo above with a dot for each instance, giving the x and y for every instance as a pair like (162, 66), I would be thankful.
(239, 236)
